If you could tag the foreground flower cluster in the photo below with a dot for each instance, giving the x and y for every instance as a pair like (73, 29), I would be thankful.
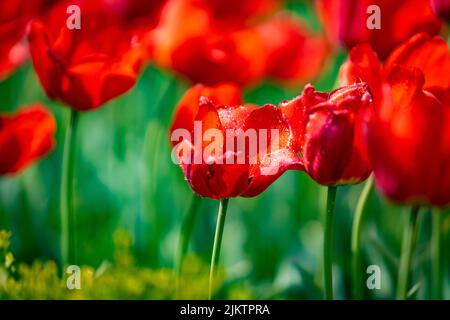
(392, 119)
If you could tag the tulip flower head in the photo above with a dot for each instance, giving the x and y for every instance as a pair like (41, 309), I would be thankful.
(227, 149)
(85, 67)
(349, 22)
(328, 130)
(408, 137)
(25, 137)
(223, 42)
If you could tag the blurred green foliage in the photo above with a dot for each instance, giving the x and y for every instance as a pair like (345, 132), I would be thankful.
(121, 279)
(125, 180)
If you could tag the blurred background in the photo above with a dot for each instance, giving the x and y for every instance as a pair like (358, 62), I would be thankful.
(125, 180)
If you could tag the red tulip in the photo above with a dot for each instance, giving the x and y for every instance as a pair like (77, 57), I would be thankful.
(409, 144)
(88, 67)
(429, 54)
(292, 51)
(211, 50)
(329, 133)
(407, 137)
(200, 51)
(441, 8)
(25, 137)
(235, 171)
(346, 22)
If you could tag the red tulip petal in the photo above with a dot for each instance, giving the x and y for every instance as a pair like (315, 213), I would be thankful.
(188, 107)
(49, 73)
(329, 145)
(346, 22)
(429, 54)
(279, 153)
(14, 19)
(25, 137)
(363, 65)
(442, 8)
(295, 110)
(9, 149)
(109, 79)
(214, 58)
(294, 52)
(214, 178)
(405, 142)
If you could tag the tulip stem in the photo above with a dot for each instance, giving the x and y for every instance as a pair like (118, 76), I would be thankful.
(436, 254)
(221, 215)
(185, 237)
(409, 239)
(68, 218)
(327, 243)
(356, 240)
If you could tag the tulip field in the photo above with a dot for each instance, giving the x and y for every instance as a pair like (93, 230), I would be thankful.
(233, 150)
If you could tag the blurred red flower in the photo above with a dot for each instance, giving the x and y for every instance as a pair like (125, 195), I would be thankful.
(193, 41)
(237, 13)
(345, 22)
(216, 58)
(410, 146)
(142, 11)
(14, 19)
(186, 41)
(137, 15)
(293, 52)
(408, 136)
(441, 8)
(220, 108)
(328, 130)
(25, 137)
(84, 68)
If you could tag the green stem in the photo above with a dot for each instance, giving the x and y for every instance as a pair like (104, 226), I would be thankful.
(68, 218)
(327, 243)
(356, 240)
(221, 215)
(409, 239)
(436, 255)
(3, 220)
(185, 237)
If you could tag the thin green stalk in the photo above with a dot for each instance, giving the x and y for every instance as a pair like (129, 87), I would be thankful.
(356, 240)
(436, 254)
(409, 239)
(3, 218)
(328, 243)
(68, 218)
(185, 237)
(221, 215)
